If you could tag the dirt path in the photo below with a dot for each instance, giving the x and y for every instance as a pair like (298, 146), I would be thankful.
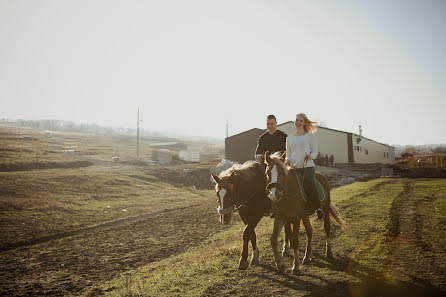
(72, 263)
(412, 257)
(97, 228)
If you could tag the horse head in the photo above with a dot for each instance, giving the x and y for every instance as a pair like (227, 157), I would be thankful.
(276, 176)
(225, 189)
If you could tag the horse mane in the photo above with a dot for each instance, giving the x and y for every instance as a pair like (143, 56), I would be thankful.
(248, 171)
(277, 158)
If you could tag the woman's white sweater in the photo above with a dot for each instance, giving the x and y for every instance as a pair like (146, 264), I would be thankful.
(297, 147)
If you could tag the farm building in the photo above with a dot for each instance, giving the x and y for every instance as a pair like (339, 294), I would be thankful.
(169, 145)
(241, 147)
(346, 148)
(161, 156)
(189, 156)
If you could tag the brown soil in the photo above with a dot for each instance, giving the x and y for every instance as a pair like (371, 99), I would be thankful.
(42, 165)
(197, 176)
(101, 227)
(69, 264)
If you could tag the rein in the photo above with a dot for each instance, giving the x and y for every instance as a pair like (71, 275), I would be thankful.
(245, 201)
(278, 186)
(227, 210)
(303, 179)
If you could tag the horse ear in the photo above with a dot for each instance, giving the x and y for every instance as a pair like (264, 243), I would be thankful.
(215, 178)
(267, 158)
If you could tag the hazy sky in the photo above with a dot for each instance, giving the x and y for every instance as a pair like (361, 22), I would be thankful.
(193, 65)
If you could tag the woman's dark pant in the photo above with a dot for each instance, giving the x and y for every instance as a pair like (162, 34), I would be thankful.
(310, 185)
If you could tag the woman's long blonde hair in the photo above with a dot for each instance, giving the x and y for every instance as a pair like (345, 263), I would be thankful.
(309, 127)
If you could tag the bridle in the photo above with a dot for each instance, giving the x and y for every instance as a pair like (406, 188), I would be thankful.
(234, 207)
(281, 187)
(276, 185)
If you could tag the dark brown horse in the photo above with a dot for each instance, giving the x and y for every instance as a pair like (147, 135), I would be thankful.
(242, 188)
(288, 205)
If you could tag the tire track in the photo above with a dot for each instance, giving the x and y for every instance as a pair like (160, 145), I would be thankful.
(74, 264)
(97, 228)
(412, 258)
(394, 225)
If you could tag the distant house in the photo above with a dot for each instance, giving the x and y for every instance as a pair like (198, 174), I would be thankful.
(346, 147)
(169, 145)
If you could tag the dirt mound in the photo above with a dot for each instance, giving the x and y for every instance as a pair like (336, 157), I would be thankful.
(343, 176)
(43, 165)
(197, 177)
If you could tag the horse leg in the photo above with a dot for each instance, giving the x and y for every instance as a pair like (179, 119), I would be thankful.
(255, 251)
(328, 252)
(295, 245)
(286, 241)
(243, 263)
(278, 224)
(308, 246)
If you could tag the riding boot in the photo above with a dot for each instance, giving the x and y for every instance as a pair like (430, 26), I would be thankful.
(320, 214)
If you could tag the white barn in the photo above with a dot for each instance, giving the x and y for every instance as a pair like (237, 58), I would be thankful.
(347, 148)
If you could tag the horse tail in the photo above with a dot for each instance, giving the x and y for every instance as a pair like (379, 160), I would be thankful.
(335, 215)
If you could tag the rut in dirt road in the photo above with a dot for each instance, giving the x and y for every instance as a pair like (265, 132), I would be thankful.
(412, 258)
(101, 227)
(395, 210)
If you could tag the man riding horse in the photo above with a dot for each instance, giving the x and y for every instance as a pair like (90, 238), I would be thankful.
(273, 140)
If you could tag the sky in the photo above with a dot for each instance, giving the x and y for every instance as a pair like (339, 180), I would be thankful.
(194, 66)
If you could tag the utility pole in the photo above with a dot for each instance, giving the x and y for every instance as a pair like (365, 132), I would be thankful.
(137, 137)
(227, 129)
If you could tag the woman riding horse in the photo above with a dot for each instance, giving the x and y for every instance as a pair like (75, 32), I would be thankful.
(301, 149)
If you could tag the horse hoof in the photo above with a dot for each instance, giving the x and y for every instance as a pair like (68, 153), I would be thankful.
(286, 253)
(243, 264)
(255, 261)
(306, 261)
(255, 258)
(296, 271)
(280, 267)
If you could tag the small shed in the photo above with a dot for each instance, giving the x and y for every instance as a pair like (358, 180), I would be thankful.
(161, 156)
(189, 156)
(169, 146)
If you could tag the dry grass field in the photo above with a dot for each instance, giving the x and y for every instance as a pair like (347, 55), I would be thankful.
(133, 229)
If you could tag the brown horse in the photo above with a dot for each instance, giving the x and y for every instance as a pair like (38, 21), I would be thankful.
(242, 188)
(288, 205)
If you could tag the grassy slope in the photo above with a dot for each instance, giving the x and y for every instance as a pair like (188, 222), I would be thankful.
(361, 254)
(45, 202)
